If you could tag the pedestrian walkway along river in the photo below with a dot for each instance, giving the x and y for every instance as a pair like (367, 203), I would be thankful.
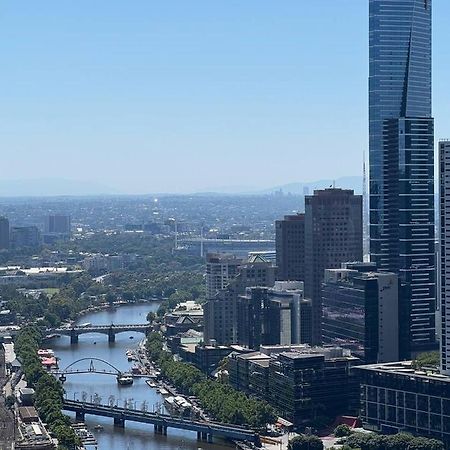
(104, 388)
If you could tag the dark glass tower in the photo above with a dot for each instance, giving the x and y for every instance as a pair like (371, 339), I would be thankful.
(401, 159)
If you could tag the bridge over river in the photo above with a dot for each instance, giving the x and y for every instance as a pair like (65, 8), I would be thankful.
(161, 422)
(109, 330)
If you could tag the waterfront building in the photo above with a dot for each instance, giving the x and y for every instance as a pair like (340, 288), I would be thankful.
(361, 312)
(274, 316)
(401, 158)
(290, 247)
(333, 235)
(186, 316)
(220, 311)
(397, 397)
(444, 253)
(4, 233)
(300, 381)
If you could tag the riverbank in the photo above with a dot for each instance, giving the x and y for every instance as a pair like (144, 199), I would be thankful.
(117, 304)
(134, 436)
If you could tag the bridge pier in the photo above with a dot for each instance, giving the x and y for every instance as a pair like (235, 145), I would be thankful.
(79, 416)
(111, 336)
(73, 338)
(119, 422)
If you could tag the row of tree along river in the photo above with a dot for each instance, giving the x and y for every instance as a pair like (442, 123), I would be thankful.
(105, 389)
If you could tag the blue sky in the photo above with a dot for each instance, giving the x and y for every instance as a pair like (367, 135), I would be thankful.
(180, 96)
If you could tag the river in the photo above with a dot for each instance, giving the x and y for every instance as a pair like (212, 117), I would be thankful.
(134, 436)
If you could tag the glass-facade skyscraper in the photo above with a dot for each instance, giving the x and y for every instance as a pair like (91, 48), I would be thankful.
(401, 159)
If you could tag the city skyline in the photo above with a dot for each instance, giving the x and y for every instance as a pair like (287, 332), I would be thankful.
(135, 98)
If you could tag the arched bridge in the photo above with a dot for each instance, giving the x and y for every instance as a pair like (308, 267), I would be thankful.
(161, 422)
(104, 367)
(109, 330)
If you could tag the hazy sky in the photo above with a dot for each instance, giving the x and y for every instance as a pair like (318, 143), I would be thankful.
(185, 95)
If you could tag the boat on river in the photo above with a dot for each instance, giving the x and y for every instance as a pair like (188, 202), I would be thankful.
(125, 379)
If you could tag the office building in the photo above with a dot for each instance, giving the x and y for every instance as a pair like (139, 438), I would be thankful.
(444, 253)
(401, 157)
(25, 237)
(274, 316)
(58, 223)
(361, 312)
(4, 233)
(300, 382)
(220, 311)
(290, 247)
(397, 397)
(333, 235)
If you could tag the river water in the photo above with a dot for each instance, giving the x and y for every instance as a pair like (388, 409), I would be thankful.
(134, 436)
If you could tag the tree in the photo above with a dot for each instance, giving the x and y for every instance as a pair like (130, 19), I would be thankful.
(304, 442)
(110, 298)
(342, 430)
(9, 401)
(421, 443)
(426, 359)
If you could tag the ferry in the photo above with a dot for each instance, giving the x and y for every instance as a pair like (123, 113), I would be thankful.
(178, 404)
(125, 379)
(85, 324)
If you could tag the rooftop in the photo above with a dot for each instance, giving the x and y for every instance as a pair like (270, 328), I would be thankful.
(405, 368)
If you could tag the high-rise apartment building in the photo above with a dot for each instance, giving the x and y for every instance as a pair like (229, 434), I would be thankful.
(333, 235)
(220, 269)
(444, 253)
(221, 310)
(401, 157)
(4, 233)
(290, 247)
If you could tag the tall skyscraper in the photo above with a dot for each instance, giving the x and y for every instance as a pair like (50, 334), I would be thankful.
(333, 235)
(4, 233)
(444, 253)
(290, 248)
(401, 157)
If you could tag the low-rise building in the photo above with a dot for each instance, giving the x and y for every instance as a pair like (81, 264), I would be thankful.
(300, 382)
(396, 397)
(186, 316)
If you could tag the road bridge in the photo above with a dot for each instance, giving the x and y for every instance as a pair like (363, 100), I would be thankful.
(109, 330)
(161, 422)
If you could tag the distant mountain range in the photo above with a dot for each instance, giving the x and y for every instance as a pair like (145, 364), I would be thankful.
(47, 187)
(300, 188)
